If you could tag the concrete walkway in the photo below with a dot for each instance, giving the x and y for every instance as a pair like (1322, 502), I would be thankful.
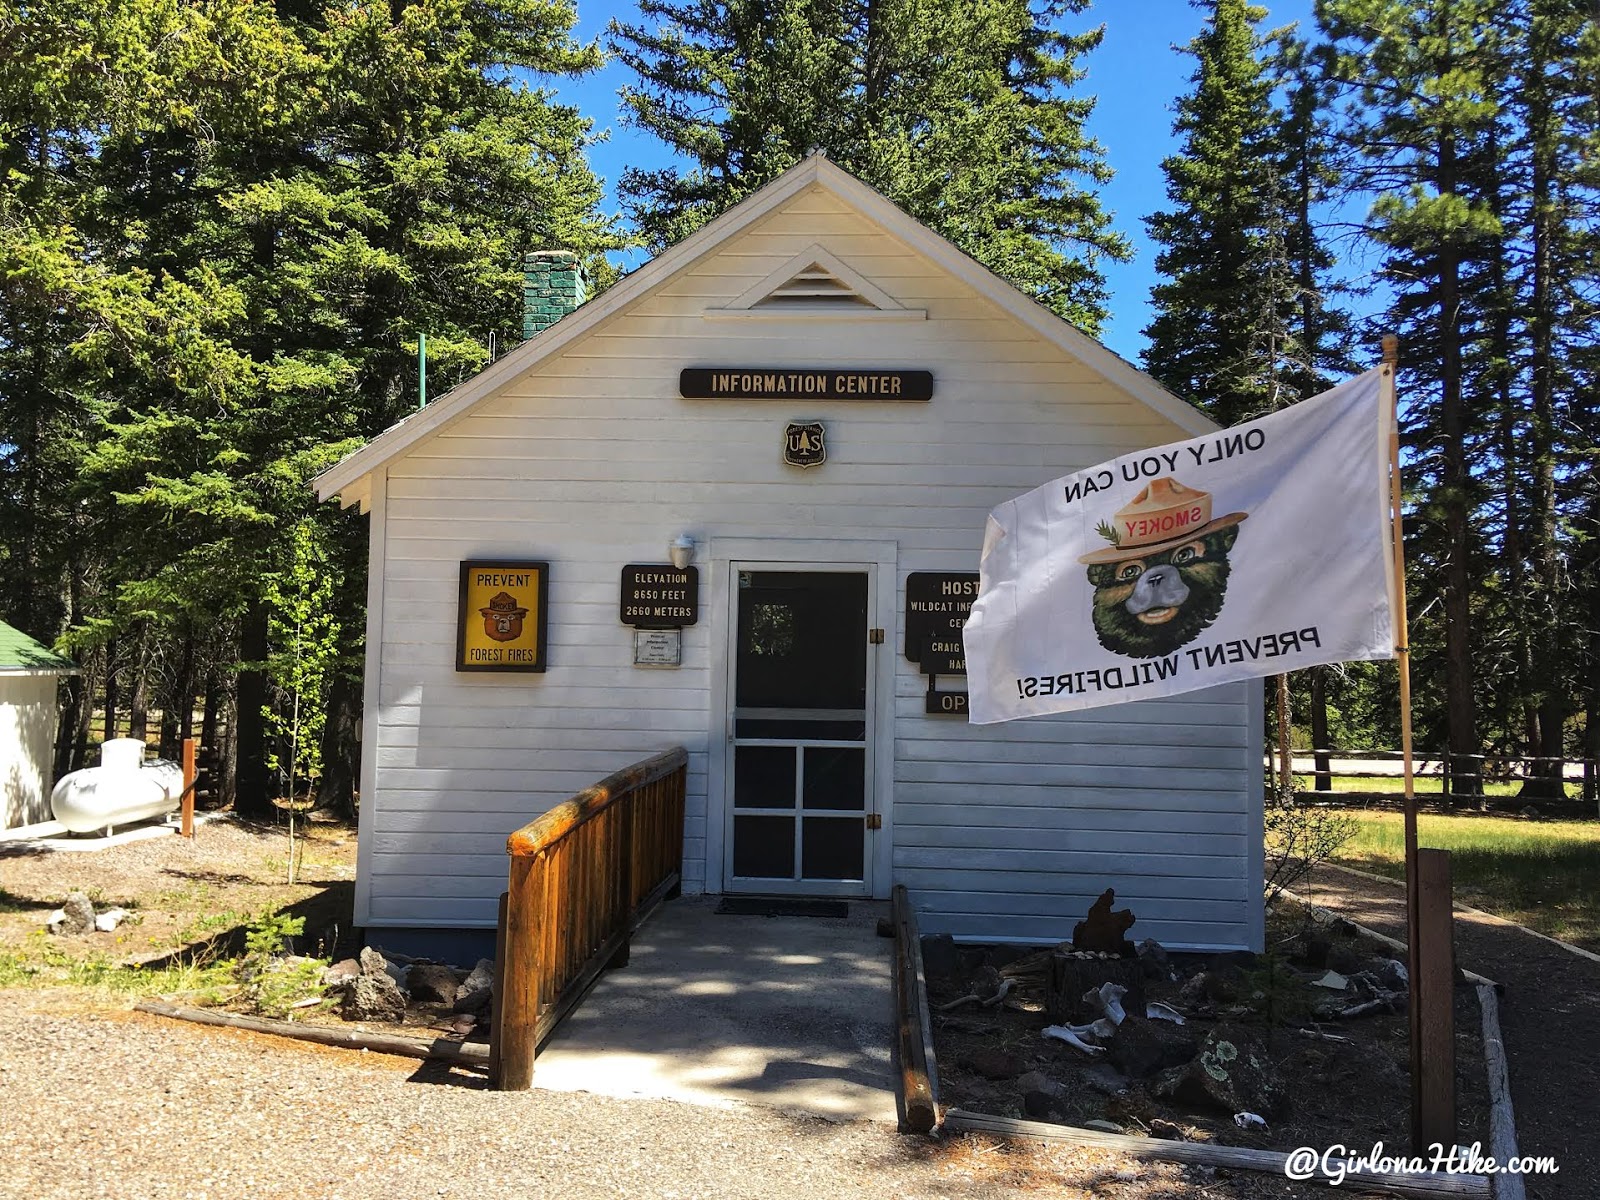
(793, 1012)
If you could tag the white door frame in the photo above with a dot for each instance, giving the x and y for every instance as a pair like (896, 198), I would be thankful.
(879, 560)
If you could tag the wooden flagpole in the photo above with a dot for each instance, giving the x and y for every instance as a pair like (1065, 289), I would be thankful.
(1391, 363)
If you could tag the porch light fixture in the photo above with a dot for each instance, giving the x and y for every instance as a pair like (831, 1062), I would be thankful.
(681, 550)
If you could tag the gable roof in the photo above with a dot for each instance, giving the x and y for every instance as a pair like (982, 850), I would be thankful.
(20, 654)
(346, 478)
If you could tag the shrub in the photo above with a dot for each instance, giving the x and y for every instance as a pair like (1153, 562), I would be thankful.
(271, 982)
(1298, 838)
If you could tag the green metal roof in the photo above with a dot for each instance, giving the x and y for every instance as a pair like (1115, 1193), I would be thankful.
(19, 652)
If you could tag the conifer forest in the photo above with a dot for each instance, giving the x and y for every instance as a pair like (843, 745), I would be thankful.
(226, 226)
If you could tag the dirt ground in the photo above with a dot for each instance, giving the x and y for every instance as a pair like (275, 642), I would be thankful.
(1353, 1091)
(1549, 1015)
(185, 897)
(196, 898)
(84, 1053)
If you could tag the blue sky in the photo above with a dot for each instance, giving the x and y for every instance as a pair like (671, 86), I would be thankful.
(1136, 74)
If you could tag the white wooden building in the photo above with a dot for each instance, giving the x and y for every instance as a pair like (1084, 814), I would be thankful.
(580, 450)
(29, 674)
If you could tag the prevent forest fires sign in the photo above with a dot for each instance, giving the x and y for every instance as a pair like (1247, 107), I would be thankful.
(502, 616)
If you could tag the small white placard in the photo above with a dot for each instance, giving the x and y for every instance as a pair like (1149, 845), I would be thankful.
(657, 647)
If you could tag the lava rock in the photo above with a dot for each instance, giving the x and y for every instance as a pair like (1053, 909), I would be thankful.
(479, 979)
(473, 1002)
(1142, 1047)
(373, 962)
(1108, 1081)
(1345, 960)
(77, 915)
(1311, 952)
(1393, 975)
(432, 983)
(373, 998)
(1221, 984)
(1153, 958)
(1042, 1097)
(993, 1064)
(1232, 1073)
(337, 974)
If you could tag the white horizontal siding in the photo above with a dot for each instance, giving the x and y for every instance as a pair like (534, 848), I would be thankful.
(592, 461)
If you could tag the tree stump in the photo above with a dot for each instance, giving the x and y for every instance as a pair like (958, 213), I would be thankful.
(1069, 977)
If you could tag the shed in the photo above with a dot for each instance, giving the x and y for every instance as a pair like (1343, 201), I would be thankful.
(28, 676)
(810, 405)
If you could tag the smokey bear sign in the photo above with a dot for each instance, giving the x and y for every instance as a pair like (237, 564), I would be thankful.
(1246, 552)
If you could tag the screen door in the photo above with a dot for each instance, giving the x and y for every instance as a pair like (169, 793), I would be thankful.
(801, 776)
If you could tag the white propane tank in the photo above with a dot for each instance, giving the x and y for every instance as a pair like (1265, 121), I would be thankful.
(122, 789)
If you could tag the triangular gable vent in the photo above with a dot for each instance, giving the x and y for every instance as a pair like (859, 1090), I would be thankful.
(816, 284)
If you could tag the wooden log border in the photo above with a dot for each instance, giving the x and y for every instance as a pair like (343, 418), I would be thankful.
(1502, 1120)
(1492, 918)
(918, 1076)
(1208, 1155)
(324, 1035)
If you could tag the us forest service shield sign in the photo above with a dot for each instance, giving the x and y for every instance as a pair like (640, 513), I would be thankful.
(804, 444)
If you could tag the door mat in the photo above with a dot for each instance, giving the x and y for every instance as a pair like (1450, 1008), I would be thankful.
(769, 906)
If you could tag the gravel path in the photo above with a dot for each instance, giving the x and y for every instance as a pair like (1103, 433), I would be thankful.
(1550, 1016)
(108, 1103)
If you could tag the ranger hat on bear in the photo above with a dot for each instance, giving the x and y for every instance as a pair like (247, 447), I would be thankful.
(1163, 516)
(504, 604)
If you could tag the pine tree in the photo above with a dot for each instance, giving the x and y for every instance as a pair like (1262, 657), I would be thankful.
(1223, 334)
(1417, 78)
(1554, 95)
(961, 113)
(226, 249)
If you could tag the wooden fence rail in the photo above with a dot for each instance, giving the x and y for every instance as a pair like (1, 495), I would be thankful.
(583, 877)
(1471, 770)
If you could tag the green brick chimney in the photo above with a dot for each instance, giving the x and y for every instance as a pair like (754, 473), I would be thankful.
(553, 284)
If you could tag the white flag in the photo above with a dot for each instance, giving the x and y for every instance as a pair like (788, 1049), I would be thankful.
(1254, 550)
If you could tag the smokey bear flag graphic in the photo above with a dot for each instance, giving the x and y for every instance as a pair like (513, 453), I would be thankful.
(1253, 550)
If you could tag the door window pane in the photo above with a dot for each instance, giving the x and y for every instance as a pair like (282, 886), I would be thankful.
(831, 847)
(835, 778)
(763, 847)
(763, 777)
(802, 640)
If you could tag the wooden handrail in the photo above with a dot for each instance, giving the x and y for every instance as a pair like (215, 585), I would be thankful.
(583, 877)
(545, 831)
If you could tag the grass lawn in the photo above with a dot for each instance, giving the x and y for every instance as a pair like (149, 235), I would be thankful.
(1542, 874)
